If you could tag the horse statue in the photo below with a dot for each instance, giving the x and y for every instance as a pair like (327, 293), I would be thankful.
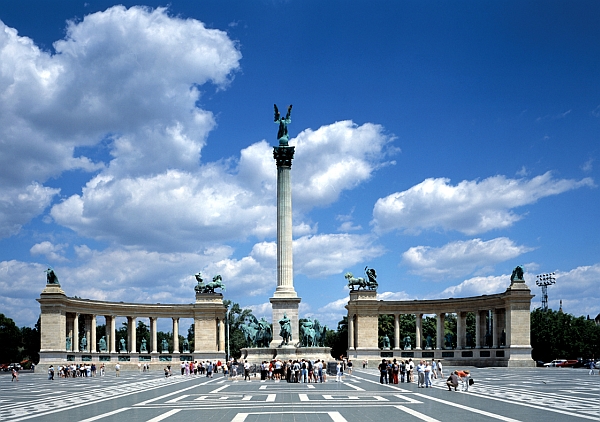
(371, 278)
(308, 334)
(263, 334)
(360, 282)
(320, 332)
(250, 330)
(517, 274)
(216, 283)
(51, 277)
(199, 288)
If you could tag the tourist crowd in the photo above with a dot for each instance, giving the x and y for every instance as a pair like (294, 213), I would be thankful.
(424, 372)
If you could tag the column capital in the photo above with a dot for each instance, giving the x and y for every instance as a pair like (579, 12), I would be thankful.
(283, 155)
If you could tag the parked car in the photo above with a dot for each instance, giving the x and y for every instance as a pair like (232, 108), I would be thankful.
(16, 366)
(555, 362)
(567, 364)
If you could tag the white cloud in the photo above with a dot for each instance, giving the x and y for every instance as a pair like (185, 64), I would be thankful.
(335, 158)
(19, 205)
(477, 286)
(54, 253)
(470, 207)
(108, 78)
(588, 166)
(328, 254)
(457, 259)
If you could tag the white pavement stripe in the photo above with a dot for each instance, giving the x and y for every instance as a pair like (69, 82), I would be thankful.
(219, 389)
(246, 398)
(271, 397)
(240, 417)
(357, 388)
(262, 387)
(303, 397)
(105, 415)
(176, 399)
(416, 414)
(470, 409)
(379, 398)
(164, 415)
(171, 394)
(408, 399)
(310, 386)
(336, 417)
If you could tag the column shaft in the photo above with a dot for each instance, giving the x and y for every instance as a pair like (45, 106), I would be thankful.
(221, 335)
(175, 335)
(478, 330)
(93, 330)
(113, 334)
(285, 267)
(396, 331)
(418, 329)
(132, 334)
(76, 333)
(351, 332)
(460, 329)
(153, 338)
(494, 329)
(440, 331)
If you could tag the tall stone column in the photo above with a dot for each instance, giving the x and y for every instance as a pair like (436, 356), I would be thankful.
(93, 328)
(494, 329)
(396, 331)
(440, 331)
(418, 330)
(175, 335)
(88, 333)
(76, 333)
(113, 334)
(153, 338)
(478, 330)
(460, 329)
(221, 335)
(284, 300)
(351, 332)
(131, 322)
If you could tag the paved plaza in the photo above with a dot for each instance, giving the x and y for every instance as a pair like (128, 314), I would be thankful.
(536, 394)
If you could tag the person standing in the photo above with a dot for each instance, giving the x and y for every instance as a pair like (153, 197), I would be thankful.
(440, 369)
(592, 366)
(339, 369)
(246, 371)
(349, 367)
(410, 370)
(421, 375)
(118, 370)
(428, 374)
(51, 373)
(383, 378)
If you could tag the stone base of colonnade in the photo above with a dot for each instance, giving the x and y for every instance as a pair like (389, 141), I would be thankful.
(285, 353)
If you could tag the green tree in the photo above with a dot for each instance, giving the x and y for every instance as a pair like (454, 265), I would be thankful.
(385, 325)
(10, 340)
(30, 340)
(142, 332)
(338, 340)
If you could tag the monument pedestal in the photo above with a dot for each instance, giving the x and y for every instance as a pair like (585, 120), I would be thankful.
(289, 306)
(285, 353)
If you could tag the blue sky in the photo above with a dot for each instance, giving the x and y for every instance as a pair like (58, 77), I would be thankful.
(441, 143)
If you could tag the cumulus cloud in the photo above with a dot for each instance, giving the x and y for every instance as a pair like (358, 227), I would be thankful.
(335, 158)
(19, 205)
(460, 258)
(477, 286)
(471, 207)
(54, 253)
(107, 79)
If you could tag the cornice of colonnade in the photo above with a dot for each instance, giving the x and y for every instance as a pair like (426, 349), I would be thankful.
(360, 303)
(129, 309)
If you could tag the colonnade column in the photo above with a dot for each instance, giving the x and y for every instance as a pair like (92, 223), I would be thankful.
(478, 330)
(88, 333)
(396, 331)
(107, 335)
(418, 329)
(175, 335)
(440, 331)
(351, 332)
(113, 334)
(93, 339)
(76, 333)
(131, 322)
(153, 338)
(460, 329)
(221, 335)
(494, 329)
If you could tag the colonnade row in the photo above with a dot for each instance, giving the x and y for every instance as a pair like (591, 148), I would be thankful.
(510, 326)
(60, 330)
(74, 344)
(497, 332)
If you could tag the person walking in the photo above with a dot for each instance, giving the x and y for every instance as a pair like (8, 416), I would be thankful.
(383, 372)
(15, 375)
(592, 366)
(51, 373)
(118, 370)
(246, 371)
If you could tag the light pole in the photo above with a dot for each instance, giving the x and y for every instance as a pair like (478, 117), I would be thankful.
(543, 281)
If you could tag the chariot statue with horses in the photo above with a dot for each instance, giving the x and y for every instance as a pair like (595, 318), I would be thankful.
(216, 283)
(370, 283)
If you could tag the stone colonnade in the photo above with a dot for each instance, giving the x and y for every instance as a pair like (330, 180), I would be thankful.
(509, 344)
(61, 340)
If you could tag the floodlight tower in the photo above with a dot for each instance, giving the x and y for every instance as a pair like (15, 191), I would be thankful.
(545, 280)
